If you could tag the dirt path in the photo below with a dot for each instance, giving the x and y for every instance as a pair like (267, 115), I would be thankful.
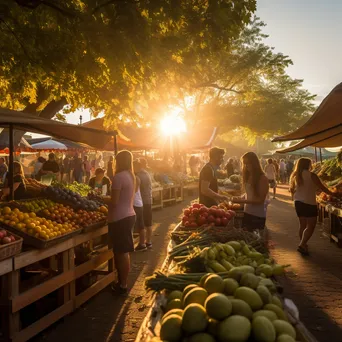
(315, 282)
(107, 317)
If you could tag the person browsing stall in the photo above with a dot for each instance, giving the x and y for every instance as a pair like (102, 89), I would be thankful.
(100, 183)
(303, 186)
(256, 187)
(121, 217)
(50, 167)
(208, 187)
(146, 195)
(19, 186)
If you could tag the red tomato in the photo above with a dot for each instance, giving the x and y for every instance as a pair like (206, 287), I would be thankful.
(192, 218)
(218, 222)
(228, 216)
(195, 211)
(214, 207)
(187, 224)
(187, 212)
(212, 211)
(193, 224)
(202, 220)
(206, 214)
(203, 209)
(224, 221)
(211, 218)
(185, 218)
(196, 205)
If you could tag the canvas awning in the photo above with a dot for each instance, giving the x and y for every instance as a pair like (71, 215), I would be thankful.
(331, 138)
(149, 138)
(30, 123)
(326, 119)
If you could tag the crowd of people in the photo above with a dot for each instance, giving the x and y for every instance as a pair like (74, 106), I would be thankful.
(258, 178)
(126, 186)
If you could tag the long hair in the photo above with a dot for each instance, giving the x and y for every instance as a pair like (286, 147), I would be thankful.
(18, 170)
(251, 176)
(297, 175)
(124, 162)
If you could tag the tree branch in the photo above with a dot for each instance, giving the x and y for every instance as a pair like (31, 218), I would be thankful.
(109, 2)
(33, 4)
(216, 86)
(52, 108)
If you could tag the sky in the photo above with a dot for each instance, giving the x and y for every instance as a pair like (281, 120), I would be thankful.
(308, 31)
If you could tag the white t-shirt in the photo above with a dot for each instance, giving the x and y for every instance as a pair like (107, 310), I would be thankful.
(306, 192)
(282, 166)
(270, 171)
(138, 202)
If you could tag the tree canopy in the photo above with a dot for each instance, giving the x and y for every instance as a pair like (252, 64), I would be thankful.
(107, 55)
(133, 58)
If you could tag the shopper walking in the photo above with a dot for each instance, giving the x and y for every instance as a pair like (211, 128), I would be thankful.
(271, 175)
(110, 167)
(121, 217)
(146, 195)
(86, 168)
(282, 171)
(3, 169)
(78, 169)
(289, 168)
(139, 210)
(303, 186)
(256, 187)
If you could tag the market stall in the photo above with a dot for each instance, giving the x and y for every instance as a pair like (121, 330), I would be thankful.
(52, 256)
(218, 283)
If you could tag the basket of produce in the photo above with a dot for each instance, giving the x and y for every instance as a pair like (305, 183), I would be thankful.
(36, 231)
(10, 244)
(198, 215)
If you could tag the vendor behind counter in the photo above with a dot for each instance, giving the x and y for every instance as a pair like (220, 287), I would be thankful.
(19, 186)
(100, 183)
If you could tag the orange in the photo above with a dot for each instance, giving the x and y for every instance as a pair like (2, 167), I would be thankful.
(6, 210)
(32, 215)
(30, 225)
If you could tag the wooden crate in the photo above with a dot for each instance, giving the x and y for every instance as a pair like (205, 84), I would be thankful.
(63, 281)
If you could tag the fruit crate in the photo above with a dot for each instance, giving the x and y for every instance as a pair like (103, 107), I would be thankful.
(94, 226)
(12, 248)
(39, 243)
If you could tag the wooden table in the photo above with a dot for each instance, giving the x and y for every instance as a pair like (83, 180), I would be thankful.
(14, 299)
(334, 216)
(166, 195)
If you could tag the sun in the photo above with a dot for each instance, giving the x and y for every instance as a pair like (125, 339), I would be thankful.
(172, 124)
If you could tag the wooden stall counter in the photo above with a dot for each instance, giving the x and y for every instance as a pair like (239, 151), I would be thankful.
(71, 278)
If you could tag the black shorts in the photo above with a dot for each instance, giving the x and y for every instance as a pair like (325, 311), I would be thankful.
(272, 183)
(121, 235)
(139, 222)
(251, 222)
(306, 210)
(147, 213)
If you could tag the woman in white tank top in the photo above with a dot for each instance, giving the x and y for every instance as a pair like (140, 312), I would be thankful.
(303, 186)
(256, 187)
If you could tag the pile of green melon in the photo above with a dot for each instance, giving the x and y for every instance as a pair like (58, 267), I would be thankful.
(226, 310)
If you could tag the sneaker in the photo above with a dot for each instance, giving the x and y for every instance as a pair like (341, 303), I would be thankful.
(117, 289)
(140, 248)
(149, 245)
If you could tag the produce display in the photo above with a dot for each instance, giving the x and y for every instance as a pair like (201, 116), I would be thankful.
(72, 198)
(78, 188)
(220, 308)
(34, 205)
(6, 237)
(64, 214)
(198, 215)
(31, 224)
(33, 187)
(328, 170)
(219, 286)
